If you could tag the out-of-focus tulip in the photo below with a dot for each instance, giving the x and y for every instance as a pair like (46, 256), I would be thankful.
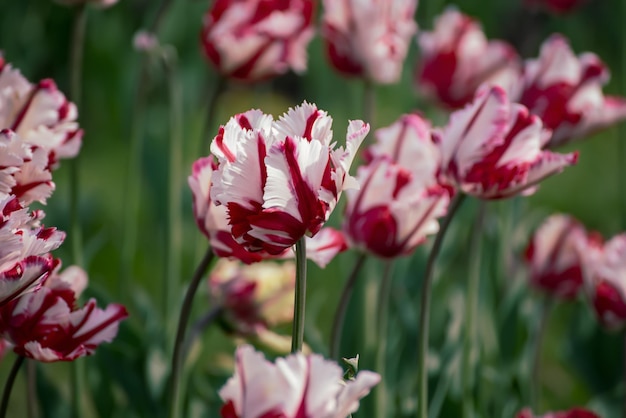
(572, 413)
(296, 386)
(369, 39)
(280, 180)
(565, 91)
(40, 114)
(253, 297)
(492, 148)
(554, 256)
(456, 58)
(213, 222)
(555, 6)
(46, 325)
(251, 40)
(604, 271)
(394, 210)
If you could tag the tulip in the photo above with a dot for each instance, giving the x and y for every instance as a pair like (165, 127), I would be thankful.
(280, 180)
(554, 256)
(369, 39)
(457, 58)
(252, 40)
(296, 386)
(555, 6)
(572, 413)
(565, 91)
(492, 149)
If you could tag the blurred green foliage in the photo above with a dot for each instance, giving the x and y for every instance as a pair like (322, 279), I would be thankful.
(582, 364)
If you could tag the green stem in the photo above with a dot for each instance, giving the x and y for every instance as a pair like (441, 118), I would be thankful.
(422, 373)
(185, 312)
(381, 331)
(174, 216)
(297, 334)
(6, 394)
(31, 389)
(218, 89)
(471, 304)
(342, 307)
(76, 69)
(540, 332)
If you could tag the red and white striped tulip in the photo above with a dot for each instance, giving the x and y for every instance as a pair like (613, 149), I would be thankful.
(251, 40)
(565, 91)
(554, 256)
(40, 114)
(492, 148)
(292, 387)
(394, 210)
(605, 279)
(280, 180)
(46, 325)
(456, 58)
(369, 39)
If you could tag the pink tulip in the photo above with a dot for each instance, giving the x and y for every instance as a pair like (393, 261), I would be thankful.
(565, 91)
(280, 180)
(292, 387)
(251, 40)
(492, 148)
(554, 256)
(456, 58)
(39, 114)
(369, 39)
(46, 325)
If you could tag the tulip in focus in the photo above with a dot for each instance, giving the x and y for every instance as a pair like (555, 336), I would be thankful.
(252, 40)
(492, 149)
(280, 180)
(565, 91)
(47, 326)
(40, 115)
(572, 413)
(369, 39)
(456, 58)
(292, 387)
(555, 257)
(605, 280)
(253, 297)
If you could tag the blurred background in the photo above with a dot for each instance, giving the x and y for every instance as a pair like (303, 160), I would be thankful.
(582, 364)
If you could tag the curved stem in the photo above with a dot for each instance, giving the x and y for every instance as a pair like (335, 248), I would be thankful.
(219, 88)
(76, 69)
(381, 331)
(185, 312)
(471, 303)
(422, 375)
(199, 326)
(342, 307)
(6, 394)
(297, 333)
(535, 383)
